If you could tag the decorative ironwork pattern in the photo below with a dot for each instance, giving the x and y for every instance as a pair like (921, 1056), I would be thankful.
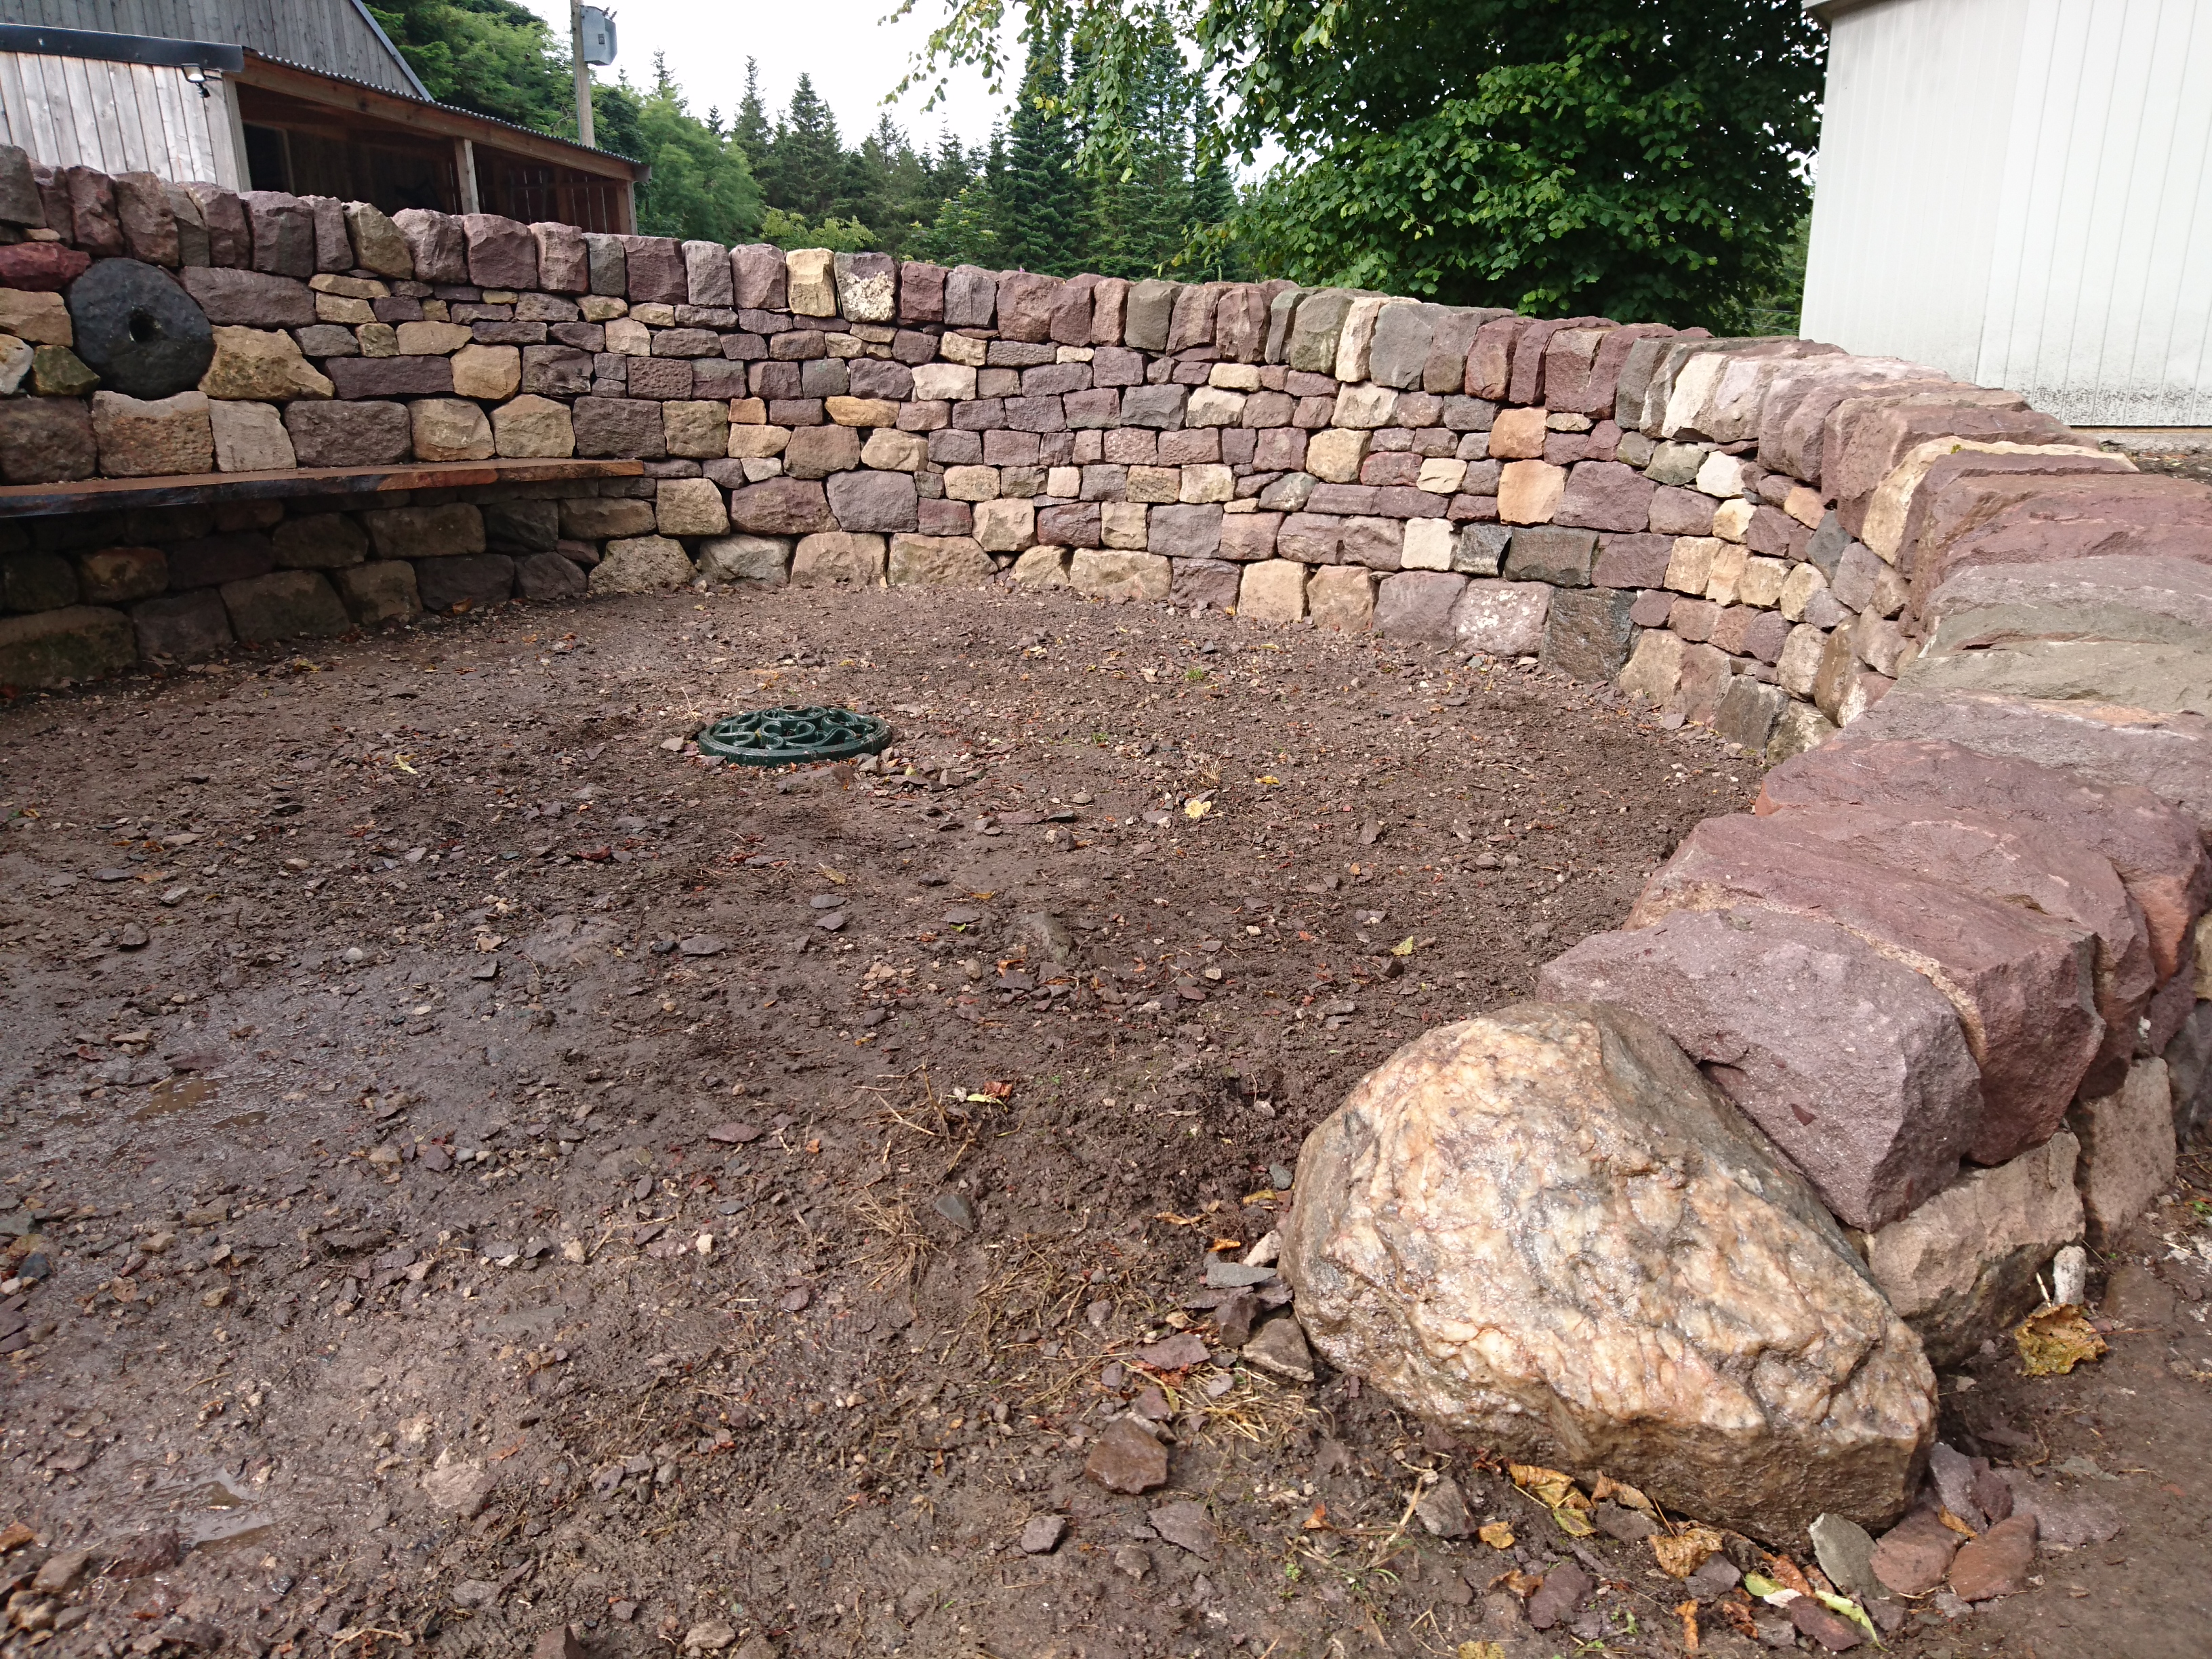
(791, 736)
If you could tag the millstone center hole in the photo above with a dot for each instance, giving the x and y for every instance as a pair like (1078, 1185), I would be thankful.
(144, 326)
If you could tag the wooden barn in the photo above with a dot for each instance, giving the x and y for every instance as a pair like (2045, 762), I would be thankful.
(302, 95)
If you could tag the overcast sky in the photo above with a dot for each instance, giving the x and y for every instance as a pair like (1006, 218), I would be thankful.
(855, 60)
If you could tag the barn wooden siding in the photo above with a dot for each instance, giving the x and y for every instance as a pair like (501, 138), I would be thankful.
(118, 117)
(335, 36)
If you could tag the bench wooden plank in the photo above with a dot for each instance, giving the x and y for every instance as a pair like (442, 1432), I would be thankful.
(202, 488)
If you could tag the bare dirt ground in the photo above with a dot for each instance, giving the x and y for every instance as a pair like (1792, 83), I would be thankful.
(471, 1168)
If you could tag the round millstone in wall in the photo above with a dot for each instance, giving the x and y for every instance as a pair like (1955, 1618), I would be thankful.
(138, 330)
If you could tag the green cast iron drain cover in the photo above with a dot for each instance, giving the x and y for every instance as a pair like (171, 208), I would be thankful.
(793, 736)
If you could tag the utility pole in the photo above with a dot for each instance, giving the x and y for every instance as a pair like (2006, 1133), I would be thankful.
(584, 135)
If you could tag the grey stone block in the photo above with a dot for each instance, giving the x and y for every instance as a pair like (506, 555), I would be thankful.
(1588, 633)
(474, 580)
(285, 605)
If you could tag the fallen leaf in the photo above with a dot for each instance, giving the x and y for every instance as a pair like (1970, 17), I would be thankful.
(1687, 1550)
(2053, 1340)
(1549, 1488)
(1316, 1521)
(1404, 947)
(1557, 1493)
(1786, 1571)
(832, 874)
(1497, 1534)
(1196, 809)
(1267, 778)
(1521, 1583)
(1608, 1489)
(1687, 1613)
(1480, 1651)
(1954, 1523)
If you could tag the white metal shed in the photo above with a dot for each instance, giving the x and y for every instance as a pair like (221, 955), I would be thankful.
(2020, 193)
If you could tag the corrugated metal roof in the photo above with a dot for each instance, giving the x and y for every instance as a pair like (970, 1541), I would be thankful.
(449, 109)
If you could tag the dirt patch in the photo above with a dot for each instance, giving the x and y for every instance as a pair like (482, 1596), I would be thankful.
(493, 1169)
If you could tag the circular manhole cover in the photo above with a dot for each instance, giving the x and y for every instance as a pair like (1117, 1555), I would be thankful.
(788, 737)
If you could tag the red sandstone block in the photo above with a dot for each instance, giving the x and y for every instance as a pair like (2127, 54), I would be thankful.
(1069, 321)
(2021, 982)
(2020, 865)
(502, 253)
(1025, 301)
(1605, 496)
(1855, 1065)
(1873, 440)
(2155, 849)
(2011, 520)
(1948, 470)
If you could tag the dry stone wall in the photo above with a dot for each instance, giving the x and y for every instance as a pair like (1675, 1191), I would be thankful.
(1715, 522)
(1955, 968)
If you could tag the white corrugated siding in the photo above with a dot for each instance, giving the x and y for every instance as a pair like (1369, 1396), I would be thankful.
(119, 118)
(2020, 193)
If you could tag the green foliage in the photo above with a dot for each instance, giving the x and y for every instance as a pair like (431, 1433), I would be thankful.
(792, 230)
(1042, 203)
(500, 60)
(700, 186)
(1053, 196)
(1778, 306)
(1583, 156)
(492, 56)
(1620, 156)
(1142, 207)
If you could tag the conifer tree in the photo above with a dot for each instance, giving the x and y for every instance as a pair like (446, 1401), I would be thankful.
(806, 161)
(751, 129)
(1043, 201)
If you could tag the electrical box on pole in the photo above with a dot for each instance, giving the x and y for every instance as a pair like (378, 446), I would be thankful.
(598, 35)
(591, 40)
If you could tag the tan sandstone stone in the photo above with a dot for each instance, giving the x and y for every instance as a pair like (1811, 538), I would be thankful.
(642, 564)
(251, 438)
(1455, 1219)
(1341, 598)
(533, 426)
(690, 507)
(490, 372)
(450, 430)
(890, 451)
(152, 438)
(1272, 591)
(261, 366)
(697, 429)
(811, 282)
(1528, 492)
(1109, 574)
(432, 339)
(1042, 567)
(1333, 455)
(838, 555)
(938, 561)
(1005, 526)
